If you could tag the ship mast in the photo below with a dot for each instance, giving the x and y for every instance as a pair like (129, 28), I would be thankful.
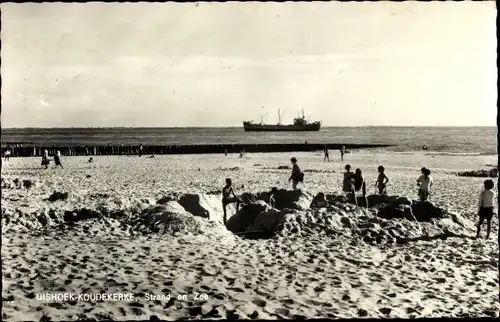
(279, 117)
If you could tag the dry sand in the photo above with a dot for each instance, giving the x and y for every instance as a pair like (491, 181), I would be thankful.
(312, 275)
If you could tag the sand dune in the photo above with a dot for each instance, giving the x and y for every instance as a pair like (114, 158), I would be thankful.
(138, 227)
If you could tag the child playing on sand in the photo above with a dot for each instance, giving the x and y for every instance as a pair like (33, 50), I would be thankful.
(228, 197)
(424, 183)
(272, 197)
(359, 185)
(57, 160)
(327, 155)
(297, 175)
(382, 181)
(342, 152)
(486, 199)
(319, 201)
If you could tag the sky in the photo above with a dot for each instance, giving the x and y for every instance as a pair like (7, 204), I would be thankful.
(218, 64)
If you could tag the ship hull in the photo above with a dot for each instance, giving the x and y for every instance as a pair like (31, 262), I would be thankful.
(250, 127)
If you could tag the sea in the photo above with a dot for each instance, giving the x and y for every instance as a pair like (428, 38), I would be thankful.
(440, 140)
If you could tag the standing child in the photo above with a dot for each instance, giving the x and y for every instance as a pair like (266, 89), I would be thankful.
(7, 154)
(382, 181)
(272, 197)
(359, 185)
(486, 199)
(342, 152)
(57, 159)
(347, 185)
(228, 197)
(45, 159)
(425, 183)
(297, 175)
(327, 154)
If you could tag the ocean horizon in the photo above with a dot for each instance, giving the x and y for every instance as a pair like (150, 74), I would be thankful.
(238, 127)
(456, 140)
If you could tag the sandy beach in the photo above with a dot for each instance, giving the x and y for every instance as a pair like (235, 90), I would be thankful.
(211, 273)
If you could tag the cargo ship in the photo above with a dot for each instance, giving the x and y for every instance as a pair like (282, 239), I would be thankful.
(299, 124)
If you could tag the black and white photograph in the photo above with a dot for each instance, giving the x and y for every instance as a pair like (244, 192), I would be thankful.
(249, 160)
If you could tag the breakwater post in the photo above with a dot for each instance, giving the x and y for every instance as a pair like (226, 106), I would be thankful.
(36, 151)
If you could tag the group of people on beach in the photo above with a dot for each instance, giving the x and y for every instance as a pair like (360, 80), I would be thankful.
(327, 153)
(354, 184)
(46, 160)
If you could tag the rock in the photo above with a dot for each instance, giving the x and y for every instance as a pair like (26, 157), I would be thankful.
(271, 220)
(492, 173)
(425, 211)
(385, 310)
(390, 212)
(80, 214)
(55, 196)
(333, 199)
(17, 183)
(202, 205)
(28, 183)
(374, 200)
(44, 219)
(346, 222)
(411, 210)
(246, 216)
(407, 212)
(170, 217)
(165, 200)
(402, 201)
(392, 199)
(368, 239)
(247, 197)
(292, 199)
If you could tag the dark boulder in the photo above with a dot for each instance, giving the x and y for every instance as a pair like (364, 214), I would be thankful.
(425, 211)
(284, 199)
(55, 196)
(28, 183)
(332, 199)
(246, 216)
(80, 214)
(419, 211)
(395, 212)
(374, 200)
(492, 173)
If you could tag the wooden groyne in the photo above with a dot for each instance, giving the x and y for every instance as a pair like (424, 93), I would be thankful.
(31, 151)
